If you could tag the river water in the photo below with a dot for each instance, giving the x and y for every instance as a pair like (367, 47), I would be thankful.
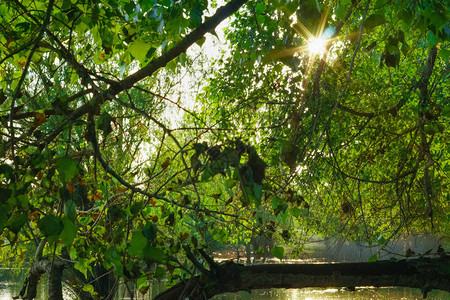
(11, 287)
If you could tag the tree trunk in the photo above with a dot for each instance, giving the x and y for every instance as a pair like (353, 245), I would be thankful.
(54, 271)
(424, 273)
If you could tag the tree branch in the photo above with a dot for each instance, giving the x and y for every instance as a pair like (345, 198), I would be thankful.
(156, 64)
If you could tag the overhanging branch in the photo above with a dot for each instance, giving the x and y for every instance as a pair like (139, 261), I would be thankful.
(156, 64)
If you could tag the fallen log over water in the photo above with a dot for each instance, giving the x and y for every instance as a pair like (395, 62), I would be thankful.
(424, 273)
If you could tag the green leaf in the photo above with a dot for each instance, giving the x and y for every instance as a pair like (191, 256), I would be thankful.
(153, 254)
(201, 41)
(405, 49)
(90, 289)
(113, 257)
(260, 7)
(6, 170)
(5, 194)
(3, 217)
(341, 11)
(67, 168)
(196, 16)
(277, 202)
(373, 258)
(381, 240)
(104, 124)
(139, 49)
(295, 211)
(83, 265)
(406, 16)
(373, 21)
(150, 231)
(16, 222)
(444, 53)
(141, 281)
(50, 225)
(69, 210)
(278, 252)
(206, 174)
(257, 192)
(261, 19)
(137, 244)
(136, 208)
(159, 273)
(69, 231)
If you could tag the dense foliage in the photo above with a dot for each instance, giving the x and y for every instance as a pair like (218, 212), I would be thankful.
(123, 153)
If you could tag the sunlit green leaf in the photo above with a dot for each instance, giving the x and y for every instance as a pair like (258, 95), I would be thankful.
(67, 168)
(69, 231)
(139, 49)
(137, 244)
(278, 252)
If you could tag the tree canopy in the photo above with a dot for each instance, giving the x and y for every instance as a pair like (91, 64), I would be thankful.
(129, 154)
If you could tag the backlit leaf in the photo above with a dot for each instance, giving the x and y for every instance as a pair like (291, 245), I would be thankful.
(67, 168)
(278, 252)
(139, 49)
(137, 244)
(69, 231)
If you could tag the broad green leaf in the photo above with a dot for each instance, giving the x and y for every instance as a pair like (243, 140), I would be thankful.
(141, 281)
(113, 257)
(373, 258)
(278, 252)
(381, 240)
(16, 222)
(5, 194)
(136, 208)
(206, 174)
(260, 7)
(196, 16)
(83, 265)
(70, 210)
(150, 231)
(277, 202)
(69, 231)
(295, 211)
(139, 49)
(160, 273)
(373, 21)
(257, 192)
(137, 244)
(67, 168)
(220, 235)
(153, 254)
(340, 11)
(201, 41)
(445, 54)
(261, 19)
(50, 225)
(6, 170)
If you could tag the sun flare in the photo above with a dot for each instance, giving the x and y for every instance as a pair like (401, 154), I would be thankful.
(316, 46)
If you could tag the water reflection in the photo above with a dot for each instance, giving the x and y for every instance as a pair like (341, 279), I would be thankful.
(323, 293)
